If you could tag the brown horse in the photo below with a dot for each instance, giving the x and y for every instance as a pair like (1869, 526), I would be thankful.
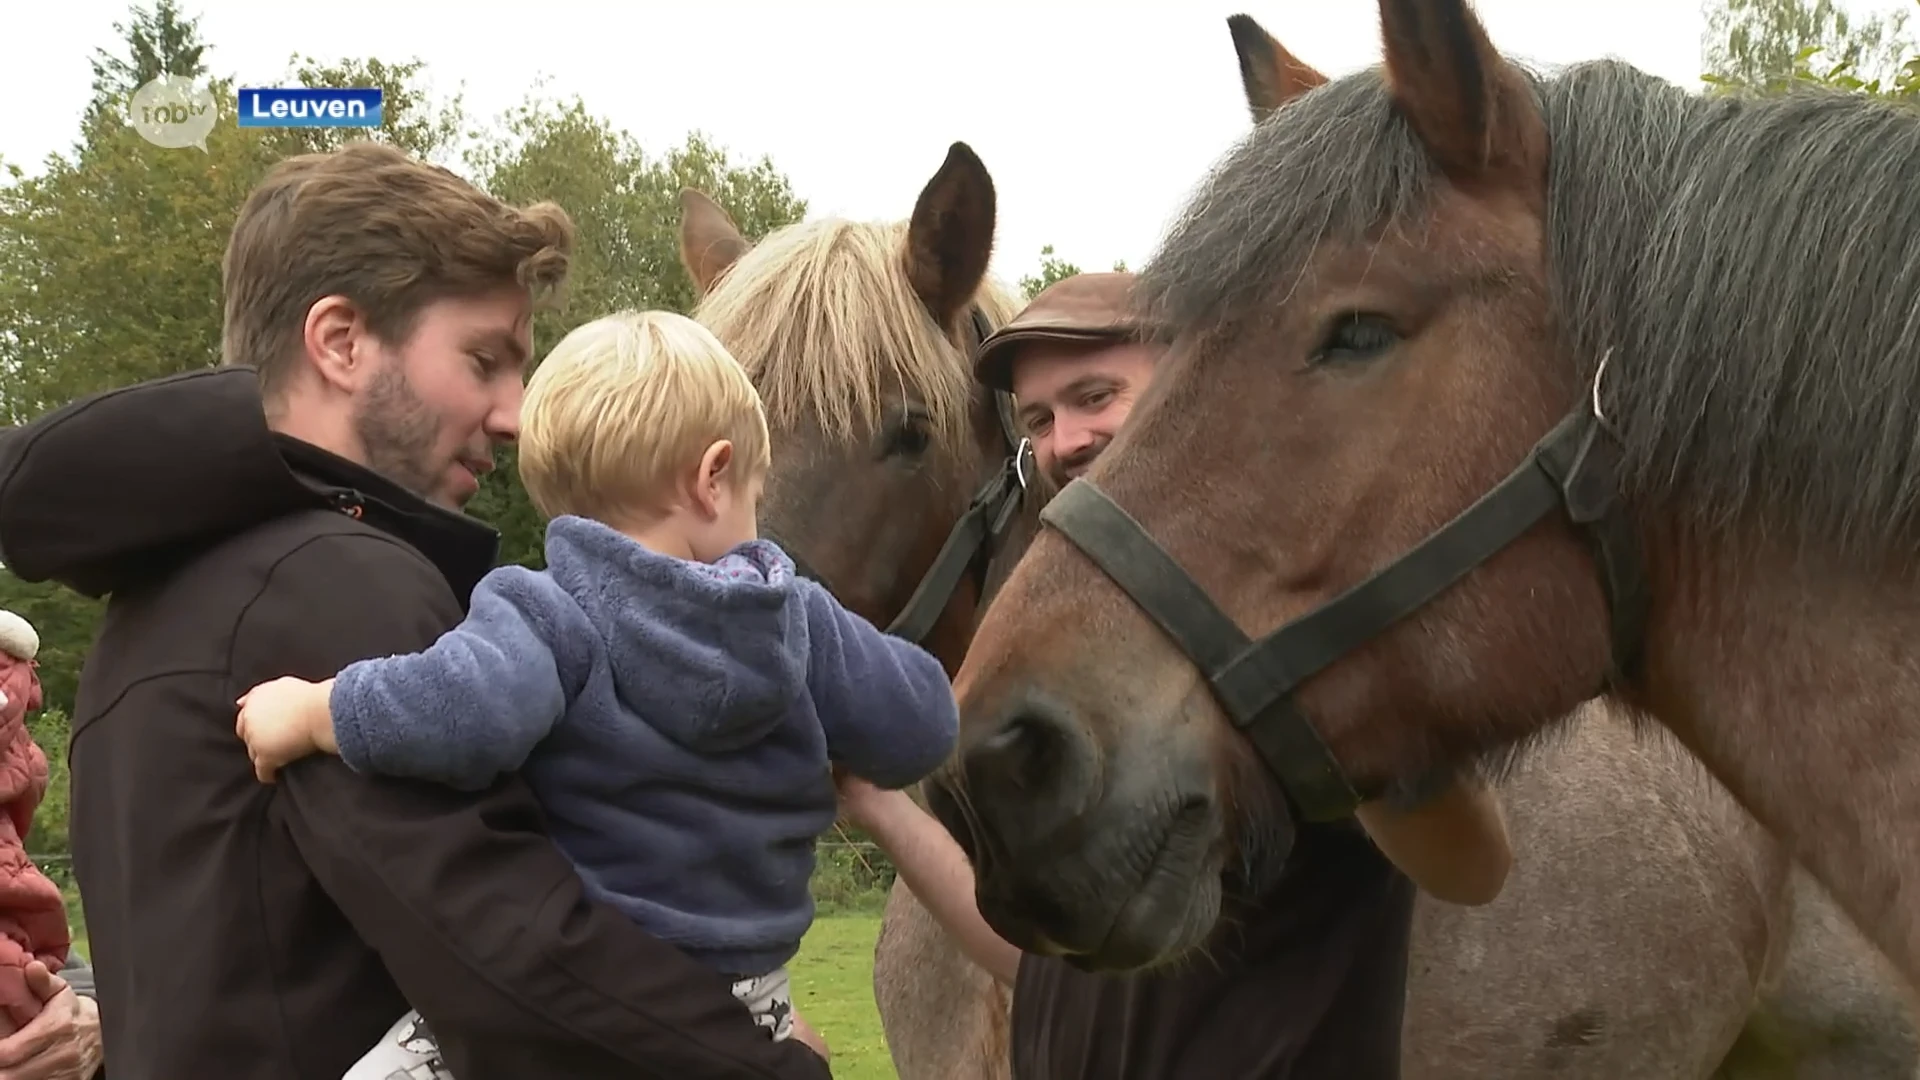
(1607, 1001)
(1826, 1004)
(1546, 387)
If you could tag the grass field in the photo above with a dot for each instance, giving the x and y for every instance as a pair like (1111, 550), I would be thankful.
(833, 989)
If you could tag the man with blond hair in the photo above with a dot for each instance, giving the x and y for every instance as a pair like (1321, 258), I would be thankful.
(291, 512)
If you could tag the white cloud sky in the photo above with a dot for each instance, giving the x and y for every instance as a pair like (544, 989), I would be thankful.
(1095, 119)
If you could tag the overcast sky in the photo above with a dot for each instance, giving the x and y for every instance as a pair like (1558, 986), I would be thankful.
(1094, 124)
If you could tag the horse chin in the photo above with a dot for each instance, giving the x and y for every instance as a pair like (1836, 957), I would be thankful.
(1161, 925)
(1105, 911)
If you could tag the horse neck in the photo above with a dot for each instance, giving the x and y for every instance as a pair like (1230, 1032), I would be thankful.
(1798, 685)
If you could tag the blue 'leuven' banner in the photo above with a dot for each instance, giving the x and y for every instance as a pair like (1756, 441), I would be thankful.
(299, 106)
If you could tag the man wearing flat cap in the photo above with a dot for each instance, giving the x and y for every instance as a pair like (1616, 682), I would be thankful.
(1083, 361)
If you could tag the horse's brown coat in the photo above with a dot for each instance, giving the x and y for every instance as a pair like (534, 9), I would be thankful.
(1762, 388)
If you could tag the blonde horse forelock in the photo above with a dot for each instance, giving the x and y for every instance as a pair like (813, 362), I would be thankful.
(823, 317)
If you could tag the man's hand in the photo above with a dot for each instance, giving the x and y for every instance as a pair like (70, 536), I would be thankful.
(284, 720)
(62, 1043)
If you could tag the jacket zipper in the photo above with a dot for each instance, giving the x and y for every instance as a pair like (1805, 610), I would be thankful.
(350, 504)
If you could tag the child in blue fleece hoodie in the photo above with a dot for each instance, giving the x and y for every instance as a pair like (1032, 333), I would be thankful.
(670, 688)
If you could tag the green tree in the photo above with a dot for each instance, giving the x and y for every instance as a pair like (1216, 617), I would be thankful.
(626, 210)
(1053, 269)
(1772, 45)
(158, 42)
(50, 729)
(120, 210)
(411, 118)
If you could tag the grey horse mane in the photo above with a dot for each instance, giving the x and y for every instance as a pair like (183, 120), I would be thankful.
(1753, 264)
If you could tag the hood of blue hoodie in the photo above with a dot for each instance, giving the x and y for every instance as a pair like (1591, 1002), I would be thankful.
(711, 655)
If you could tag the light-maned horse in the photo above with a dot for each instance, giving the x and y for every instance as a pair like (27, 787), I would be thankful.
(857, 335)
(1551, 386)
(1477, 991)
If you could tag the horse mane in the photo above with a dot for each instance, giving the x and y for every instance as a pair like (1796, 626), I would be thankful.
(1751, 262)
(823, 317)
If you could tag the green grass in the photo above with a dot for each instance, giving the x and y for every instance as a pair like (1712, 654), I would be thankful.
(833, 989)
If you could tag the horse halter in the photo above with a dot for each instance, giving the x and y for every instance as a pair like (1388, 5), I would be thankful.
(1575, 467)
(973, 540)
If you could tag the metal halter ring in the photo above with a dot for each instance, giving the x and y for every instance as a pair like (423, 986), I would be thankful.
(1598, 374)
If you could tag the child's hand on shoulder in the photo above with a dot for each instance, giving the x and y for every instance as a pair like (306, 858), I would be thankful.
(284, 720)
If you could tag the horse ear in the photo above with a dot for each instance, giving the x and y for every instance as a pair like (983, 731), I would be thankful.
(1271, 75)
(1474, 111)
(710, 243)
(950, 237)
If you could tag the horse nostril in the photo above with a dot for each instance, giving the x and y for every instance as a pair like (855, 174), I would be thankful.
(1033, 772)
(1026, 751)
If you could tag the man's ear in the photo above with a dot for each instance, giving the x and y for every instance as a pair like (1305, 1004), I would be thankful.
(331, 340)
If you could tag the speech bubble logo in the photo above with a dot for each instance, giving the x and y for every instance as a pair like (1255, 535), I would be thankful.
(172, 112)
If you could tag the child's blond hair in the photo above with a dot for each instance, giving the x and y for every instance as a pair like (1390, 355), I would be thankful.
(624, 406)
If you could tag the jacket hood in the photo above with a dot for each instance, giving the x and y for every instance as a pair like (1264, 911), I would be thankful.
(119, 487)
(713, 656)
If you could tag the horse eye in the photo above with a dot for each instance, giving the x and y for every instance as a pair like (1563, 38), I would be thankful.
(1357, 336)
(909, 438)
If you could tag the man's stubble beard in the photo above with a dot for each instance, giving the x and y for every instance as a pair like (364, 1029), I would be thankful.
(398, 432)
(1059, 473)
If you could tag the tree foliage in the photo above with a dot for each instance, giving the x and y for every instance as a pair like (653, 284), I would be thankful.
(1053, 269)
(110, 258)
(1772, 46)
(49, 728)
(625, 205)
(158, 42)
(410, 117)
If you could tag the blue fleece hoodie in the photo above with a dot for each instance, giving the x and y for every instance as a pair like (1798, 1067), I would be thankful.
(675, 718)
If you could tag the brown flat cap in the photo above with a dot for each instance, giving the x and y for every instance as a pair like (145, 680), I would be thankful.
(1083, 308)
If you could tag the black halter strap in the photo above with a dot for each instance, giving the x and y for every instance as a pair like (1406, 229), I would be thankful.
(975, 537)
(1575, 468)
